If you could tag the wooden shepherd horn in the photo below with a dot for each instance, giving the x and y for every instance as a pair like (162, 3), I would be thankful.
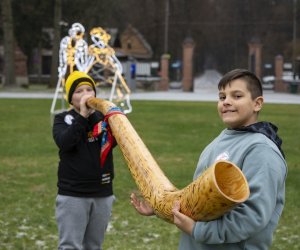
(219, 189)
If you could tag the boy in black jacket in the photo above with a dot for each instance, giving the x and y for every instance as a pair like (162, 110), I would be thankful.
(86, 169)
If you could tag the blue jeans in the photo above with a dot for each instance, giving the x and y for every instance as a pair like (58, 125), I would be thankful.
(82, 222)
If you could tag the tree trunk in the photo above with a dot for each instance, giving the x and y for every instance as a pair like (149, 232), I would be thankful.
(9, 42)
(56, 42)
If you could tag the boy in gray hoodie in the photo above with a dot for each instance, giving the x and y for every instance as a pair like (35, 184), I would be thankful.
(256, 148)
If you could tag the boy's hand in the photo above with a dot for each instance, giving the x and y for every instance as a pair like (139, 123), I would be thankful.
(141, 206)
(85, 111)
(182, 221)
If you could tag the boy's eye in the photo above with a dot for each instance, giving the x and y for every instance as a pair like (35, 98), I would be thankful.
(222, 98)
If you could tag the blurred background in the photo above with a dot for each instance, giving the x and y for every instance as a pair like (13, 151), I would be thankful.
(224, 34)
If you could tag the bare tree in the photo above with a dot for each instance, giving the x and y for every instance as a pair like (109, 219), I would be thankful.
(56, 40)
(9, 42)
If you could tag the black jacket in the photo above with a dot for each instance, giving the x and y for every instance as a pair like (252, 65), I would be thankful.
(80, 173)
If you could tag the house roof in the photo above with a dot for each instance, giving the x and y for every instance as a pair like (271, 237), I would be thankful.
(133, 44)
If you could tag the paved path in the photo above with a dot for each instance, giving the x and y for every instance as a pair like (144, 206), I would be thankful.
(210, 95)
(172, 95)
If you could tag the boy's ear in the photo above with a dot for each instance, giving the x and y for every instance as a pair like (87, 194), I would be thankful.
(258, 103)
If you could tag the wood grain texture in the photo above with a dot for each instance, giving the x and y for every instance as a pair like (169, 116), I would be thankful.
(219, 188)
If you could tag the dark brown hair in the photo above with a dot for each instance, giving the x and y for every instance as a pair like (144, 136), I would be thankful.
(253, 83)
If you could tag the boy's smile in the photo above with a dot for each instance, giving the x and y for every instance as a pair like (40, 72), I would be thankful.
(236, 107)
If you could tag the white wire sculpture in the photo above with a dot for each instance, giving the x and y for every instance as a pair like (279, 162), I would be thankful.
(98, 60)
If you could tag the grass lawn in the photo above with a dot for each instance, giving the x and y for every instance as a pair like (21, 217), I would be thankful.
(174, 132)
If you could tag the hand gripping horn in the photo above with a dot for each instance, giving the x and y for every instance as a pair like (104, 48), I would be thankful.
(216, 191)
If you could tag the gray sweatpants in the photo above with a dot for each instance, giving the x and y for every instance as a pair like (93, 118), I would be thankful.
(82, 222)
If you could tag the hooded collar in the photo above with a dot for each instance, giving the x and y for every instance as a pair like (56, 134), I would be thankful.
(266, 128)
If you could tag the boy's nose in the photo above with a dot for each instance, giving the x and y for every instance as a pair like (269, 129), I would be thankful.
(227, 101)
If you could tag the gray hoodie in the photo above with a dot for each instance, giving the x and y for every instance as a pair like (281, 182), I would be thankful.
(251, 224)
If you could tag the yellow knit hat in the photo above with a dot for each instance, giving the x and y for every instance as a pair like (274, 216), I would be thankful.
(76, 79)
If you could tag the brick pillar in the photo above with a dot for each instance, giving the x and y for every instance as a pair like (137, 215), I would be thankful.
(187, 68)
(280, 86)
(21, 67)
(254, 57)
(164, 80)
